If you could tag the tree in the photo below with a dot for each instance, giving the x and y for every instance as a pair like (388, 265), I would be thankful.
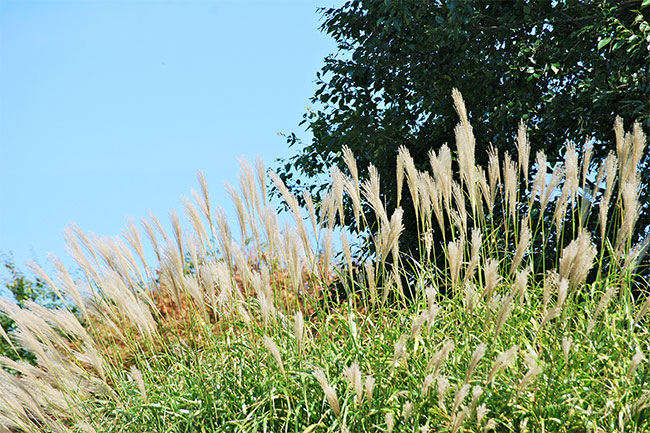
(567, 68)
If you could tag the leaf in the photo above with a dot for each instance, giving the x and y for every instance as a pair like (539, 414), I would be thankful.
(313, 427)
(604, 42)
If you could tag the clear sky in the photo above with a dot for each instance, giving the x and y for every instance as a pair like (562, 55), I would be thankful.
(108, 108)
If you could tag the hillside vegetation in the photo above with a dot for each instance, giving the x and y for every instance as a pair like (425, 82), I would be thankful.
(264, 326)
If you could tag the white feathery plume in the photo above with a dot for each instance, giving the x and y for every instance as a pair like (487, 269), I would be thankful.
(534, 370)
(418, 323)
(504, 359)
(481, 411)
(408, 409)
(327, 211)
(443, 387)
(504, 313)
(611, 163)
(136, 375)
(370, 276)
(510, 184)
(521, 283)
(347, 252)
(309, 202)
(330, 393)
(478, 354)
(459, 215)
(586, 161)
(369, 387)
(471, 297)
(465, 146)
(523, 148)
(556, 178)
(390, 422)
(260, 171)
(274, 351)
(455, 257)
(435, 198)
(440, 357)
(631, 210)
(540, 176)
(492, 278)
(293, 205)
(441, 167)
(459, 419)
(249, 190)
(637, 359)
(474, 257)
(484, 186)
(353, 376)
(490, 425)
(389, 234)
(132, 236)
(571, 164)
(338, 185)
(176, 228)
(298, 329)
(605, 299)
(566, 347)
(371, 191)
(494, 175)
(412, 176)
(400, 174)
(461, 393)
(577, 259)
(643, 310)
(428, 381)
(195, 220)
(205, 204)
(399, 352)
(352, 187)
(522, 245)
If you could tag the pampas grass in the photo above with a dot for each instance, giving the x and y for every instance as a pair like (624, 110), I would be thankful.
(528, 314)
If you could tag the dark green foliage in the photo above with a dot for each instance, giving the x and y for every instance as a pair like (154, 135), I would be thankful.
(567, 68)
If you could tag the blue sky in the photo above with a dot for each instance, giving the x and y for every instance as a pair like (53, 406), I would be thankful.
(107, 109)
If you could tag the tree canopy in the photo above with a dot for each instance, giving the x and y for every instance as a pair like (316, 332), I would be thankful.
(566, 68)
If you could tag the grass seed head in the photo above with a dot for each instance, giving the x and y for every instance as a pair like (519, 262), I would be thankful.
(478, 354)
(298, 329)
(330, 393)
(443, 387)
(408, 409)
(481, 411)
(637, 359)
(459, 419)
(274, 351)
(504, 359)
(566, 347)
(390, 422)
(461, 393)
(369, 387)
(136, 375)
(353, 375)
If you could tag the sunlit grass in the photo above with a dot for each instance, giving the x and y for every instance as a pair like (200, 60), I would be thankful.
(528, 323)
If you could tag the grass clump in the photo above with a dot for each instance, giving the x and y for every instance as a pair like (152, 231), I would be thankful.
(531, 318)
